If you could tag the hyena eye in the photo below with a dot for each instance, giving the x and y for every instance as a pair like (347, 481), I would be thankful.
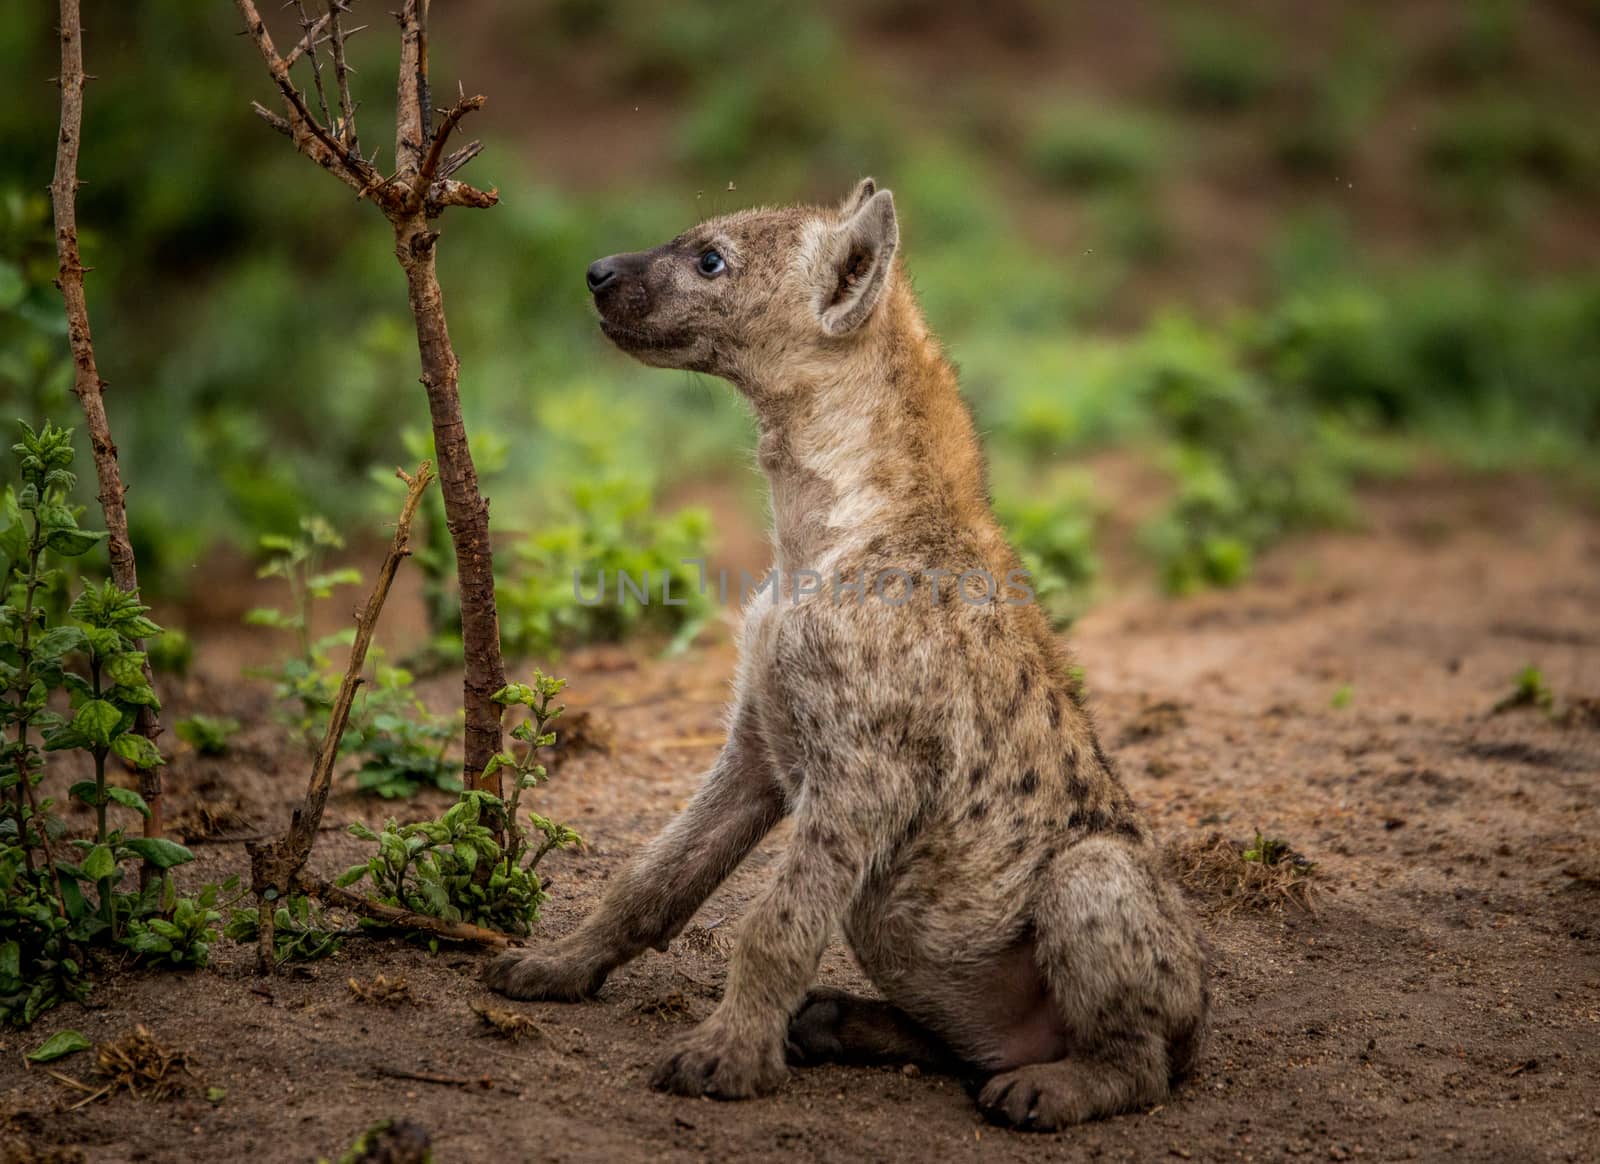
(711, 263)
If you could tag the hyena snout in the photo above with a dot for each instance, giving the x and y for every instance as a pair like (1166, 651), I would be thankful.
(621, 286)
(614, 275)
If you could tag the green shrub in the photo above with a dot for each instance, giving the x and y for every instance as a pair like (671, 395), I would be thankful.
(435, 867)
(207, 734)
(1220, 64)
(611, 530)
(63, 895)
(399, 745)
(1055, 538)
(1082, 147)
(1483, 145)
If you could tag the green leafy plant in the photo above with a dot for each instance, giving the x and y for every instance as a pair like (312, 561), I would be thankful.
(207, 734)
(611, 530)
(55, 906)
(460, 868)
(1528, 689)
(1055, 539)
(399, 745)
(1080, 147)
(1221, 64)
(301, 930)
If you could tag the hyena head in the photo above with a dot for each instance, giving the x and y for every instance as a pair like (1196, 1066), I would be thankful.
(746, 295)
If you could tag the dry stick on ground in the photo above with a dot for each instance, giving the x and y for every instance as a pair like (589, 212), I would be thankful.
(275, 865)
(418, 191)
(393, 915)
(86, 382)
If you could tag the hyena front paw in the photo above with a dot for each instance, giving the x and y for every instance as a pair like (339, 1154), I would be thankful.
(723, 1064)
(552, 976)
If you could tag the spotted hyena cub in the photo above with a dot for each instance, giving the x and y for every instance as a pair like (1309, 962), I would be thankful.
(954, 813)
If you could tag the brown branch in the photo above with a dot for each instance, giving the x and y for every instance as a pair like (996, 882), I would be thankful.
(410, 126)
(86, 382)
(274, 865)
(459, 158)
(310, 136)
(409, 200)
(430, 164)
(310, 39)
(449, 192)
(307, 43)
(393, 915)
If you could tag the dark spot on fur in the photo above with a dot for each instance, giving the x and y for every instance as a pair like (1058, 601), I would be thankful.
(1102, 759)
(1129, 828)
(1053, 710)
(1018, 846)
(1024, 685)
(978, 811)
(1029, 784)
(977, 776)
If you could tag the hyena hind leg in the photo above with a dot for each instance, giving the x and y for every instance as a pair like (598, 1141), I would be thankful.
(1127, 976)
(832, 1026)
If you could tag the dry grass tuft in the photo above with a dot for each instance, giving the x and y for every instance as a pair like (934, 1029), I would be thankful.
(137, 1063)
(703, 941)
(1582, 712)
(508, 1024)
(1263, 874)
(669, 1007)
(383, 991)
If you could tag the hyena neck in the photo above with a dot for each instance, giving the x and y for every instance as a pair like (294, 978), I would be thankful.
(869, 443)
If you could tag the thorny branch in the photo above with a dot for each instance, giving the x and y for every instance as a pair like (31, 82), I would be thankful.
(420, 188)
(86, 383)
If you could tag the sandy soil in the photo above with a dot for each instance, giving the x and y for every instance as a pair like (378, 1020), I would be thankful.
(1441, 1003)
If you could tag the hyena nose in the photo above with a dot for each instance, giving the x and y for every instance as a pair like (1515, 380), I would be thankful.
(602, 273)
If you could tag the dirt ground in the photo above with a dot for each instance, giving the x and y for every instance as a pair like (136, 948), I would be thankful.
(1442, 1002)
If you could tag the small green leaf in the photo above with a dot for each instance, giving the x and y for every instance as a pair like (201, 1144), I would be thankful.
(59, 640)
(73, 543)
(97, 720)
(59, 1044)
(127, 797)
(139, 752)
(100, 863)
(159, 851)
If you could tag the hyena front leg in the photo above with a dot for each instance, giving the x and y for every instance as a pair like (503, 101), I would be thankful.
(739, 1050)
(736, 805)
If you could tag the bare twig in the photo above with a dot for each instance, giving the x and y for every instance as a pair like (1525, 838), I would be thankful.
(310, 39)
(482, 1081)
(86, 382)
(274, 865)
(430, 164)
(341, 76)
(307, 43)
(310, 136)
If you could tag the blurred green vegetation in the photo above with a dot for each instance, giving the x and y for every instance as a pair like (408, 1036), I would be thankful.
(1433, 300)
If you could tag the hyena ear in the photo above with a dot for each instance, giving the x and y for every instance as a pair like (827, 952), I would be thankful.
(865, 189)
(856, 259)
